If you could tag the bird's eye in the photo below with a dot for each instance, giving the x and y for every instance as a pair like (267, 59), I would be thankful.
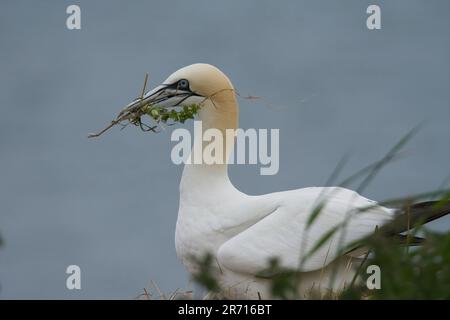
(183, 84)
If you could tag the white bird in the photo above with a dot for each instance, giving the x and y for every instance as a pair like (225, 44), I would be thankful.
(242, 232)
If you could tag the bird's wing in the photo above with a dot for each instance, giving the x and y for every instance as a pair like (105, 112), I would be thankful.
(284, 235)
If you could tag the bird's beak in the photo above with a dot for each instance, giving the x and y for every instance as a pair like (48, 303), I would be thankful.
(164, 95)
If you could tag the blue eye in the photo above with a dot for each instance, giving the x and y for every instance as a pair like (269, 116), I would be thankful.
(183, 84)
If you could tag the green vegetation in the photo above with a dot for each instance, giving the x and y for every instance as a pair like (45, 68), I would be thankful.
(414, 273)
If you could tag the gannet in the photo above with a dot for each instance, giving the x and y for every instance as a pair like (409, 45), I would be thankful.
(243, 232)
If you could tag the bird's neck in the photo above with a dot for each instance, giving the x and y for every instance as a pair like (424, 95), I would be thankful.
(214, 138)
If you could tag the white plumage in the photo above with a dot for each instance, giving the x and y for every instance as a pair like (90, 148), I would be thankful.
(243, 232)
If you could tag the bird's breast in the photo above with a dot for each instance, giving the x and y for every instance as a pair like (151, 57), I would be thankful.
(197, 235)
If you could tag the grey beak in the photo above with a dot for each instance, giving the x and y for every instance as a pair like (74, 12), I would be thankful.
(163, 95)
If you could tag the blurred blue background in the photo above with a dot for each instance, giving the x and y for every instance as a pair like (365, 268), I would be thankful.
(110, 205)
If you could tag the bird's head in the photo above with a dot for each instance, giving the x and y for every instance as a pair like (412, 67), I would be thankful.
(197, 84)
(198, 89)
(201, 79)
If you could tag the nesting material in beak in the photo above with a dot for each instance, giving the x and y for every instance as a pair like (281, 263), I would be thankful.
(162, 105)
